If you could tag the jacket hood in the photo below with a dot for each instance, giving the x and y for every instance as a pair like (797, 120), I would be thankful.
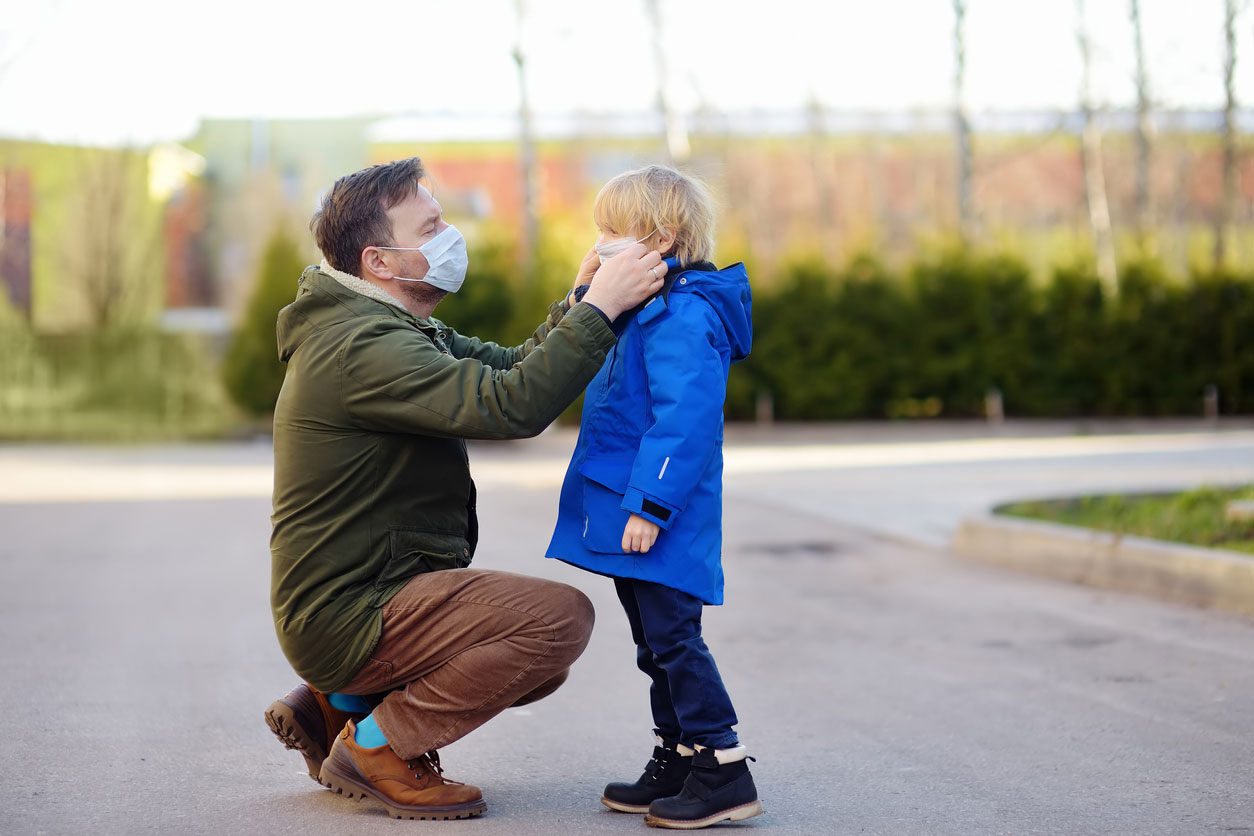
(728, 292)
(323, 300)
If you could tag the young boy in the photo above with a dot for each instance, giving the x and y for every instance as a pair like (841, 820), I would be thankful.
(642, 498)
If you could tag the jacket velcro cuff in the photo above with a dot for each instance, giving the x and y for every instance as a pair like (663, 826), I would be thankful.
(661, 514)
(592, 321)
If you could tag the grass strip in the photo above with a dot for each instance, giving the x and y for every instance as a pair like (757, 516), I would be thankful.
(1197, 517)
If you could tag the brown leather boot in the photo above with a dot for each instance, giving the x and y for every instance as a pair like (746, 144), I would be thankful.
(413, 789)
(306, 722)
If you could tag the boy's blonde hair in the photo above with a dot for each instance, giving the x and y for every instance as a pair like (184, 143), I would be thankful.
(656, 197)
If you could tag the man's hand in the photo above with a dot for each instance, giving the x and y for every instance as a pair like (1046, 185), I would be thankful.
(626, 280)
(640, 534)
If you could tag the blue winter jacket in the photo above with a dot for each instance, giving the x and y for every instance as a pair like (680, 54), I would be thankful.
(651, 437)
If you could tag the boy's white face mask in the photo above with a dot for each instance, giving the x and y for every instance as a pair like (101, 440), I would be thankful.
(446, 255)
(609, 249)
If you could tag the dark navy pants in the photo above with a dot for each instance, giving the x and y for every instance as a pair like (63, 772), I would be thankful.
(690, 704)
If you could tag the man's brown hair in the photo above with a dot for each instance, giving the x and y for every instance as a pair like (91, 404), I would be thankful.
(353, 215)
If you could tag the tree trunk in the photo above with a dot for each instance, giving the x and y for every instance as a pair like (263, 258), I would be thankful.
(1225, 244)
(1145, 220)
(819, 156)
(1094, 175)
(962, 124)
(526, 152)
(676, 134)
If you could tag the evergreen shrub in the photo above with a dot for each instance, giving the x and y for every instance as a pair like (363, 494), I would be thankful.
(251, 371)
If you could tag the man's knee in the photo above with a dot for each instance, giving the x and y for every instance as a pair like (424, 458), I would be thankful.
(577, 617)
(564, 619)
(556, 615)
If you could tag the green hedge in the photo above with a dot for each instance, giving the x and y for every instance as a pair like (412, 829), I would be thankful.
(864, 342)
(135, 384)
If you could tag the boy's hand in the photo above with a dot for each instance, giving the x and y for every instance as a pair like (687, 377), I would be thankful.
(639, 535)
(587, 269)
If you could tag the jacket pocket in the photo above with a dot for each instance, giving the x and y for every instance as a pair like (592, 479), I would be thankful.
(413, 551)
(604, 483)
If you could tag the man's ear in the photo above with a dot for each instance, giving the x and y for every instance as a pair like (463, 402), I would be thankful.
(372, 264)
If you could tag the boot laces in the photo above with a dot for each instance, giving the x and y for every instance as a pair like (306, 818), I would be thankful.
(428, 765)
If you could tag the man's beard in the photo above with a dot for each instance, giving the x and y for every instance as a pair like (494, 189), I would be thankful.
(423, 294)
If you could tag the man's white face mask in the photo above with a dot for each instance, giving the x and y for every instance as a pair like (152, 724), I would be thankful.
(446, 253)
(609, 249)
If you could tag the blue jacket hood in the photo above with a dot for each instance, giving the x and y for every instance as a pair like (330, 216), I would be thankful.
(727, 291)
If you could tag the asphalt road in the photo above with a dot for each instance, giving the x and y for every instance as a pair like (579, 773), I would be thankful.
(884, 687)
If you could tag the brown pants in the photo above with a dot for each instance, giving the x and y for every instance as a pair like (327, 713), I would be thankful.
(461, 645)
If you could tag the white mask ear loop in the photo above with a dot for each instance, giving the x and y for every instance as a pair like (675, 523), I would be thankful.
(402, 249)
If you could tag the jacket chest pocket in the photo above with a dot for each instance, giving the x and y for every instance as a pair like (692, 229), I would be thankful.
(604, 483)
(413, 551)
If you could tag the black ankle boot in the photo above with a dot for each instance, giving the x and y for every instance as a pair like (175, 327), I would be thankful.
(663, 776)
(712, 793)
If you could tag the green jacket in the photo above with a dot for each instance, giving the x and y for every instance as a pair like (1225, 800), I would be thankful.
(371, 481)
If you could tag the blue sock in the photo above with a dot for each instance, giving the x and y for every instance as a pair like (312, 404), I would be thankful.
(369, 735)
(351, 703)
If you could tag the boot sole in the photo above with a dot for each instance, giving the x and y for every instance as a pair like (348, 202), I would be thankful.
(356, 786)
(624, 808)
(744, 811)
(281, 718)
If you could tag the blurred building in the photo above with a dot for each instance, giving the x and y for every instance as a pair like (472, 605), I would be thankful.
(262, 176)
(15, 223)
(791, 184)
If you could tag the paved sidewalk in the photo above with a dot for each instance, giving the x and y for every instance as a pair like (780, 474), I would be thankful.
(884, 687)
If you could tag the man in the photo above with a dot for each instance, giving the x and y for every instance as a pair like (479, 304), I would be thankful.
(403, 648)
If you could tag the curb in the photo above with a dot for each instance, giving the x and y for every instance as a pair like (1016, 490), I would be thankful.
(1202, 577)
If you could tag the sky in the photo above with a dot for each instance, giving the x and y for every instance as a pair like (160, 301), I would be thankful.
(146, 71)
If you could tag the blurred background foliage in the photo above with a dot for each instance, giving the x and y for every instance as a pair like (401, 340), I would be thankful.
(251, 370)
(128, 384)
(943, 335)
(914, 255)
(935, 337)
(141, 286)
